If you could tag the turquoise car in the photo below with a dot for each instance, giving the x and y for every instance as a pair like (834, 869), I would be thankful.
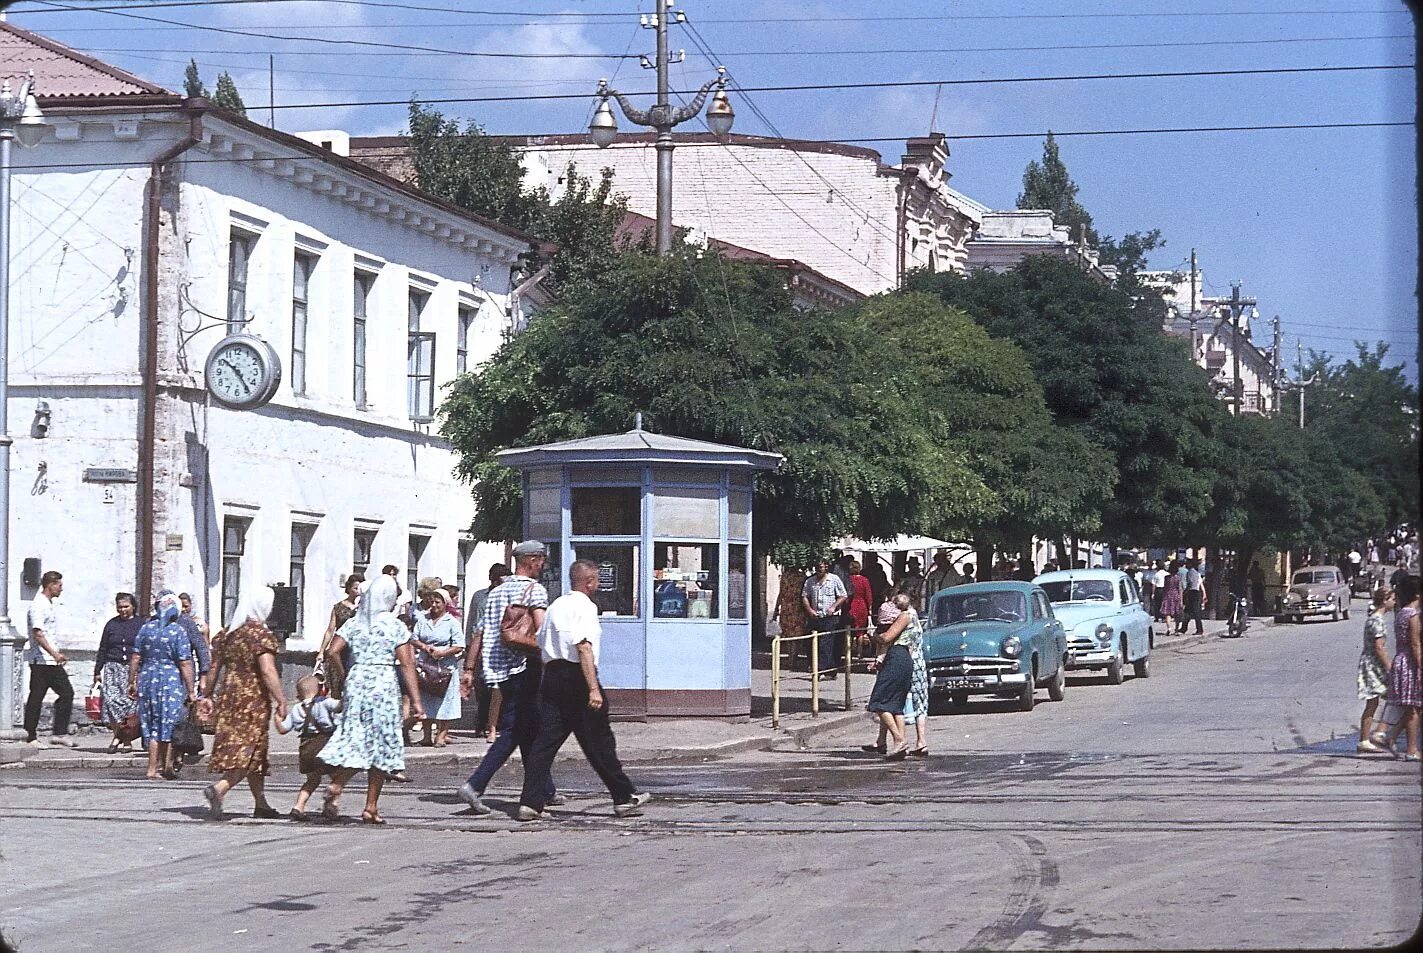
(1107, 624)
(994, 638)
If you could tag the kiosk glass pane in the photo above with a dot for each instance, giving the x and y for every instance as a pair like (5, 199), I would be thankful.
(617, 576)
(686, 512)
(686, 580)
(737, 581)
(738, 515)
(545, 512)
(607, 511)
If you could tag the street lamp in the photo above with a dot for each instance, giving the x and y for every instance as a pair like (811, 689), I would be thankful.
(22, 121)
(662, 117)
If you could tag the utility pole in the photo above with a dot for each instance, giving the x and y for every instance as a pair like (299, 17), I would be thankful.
(1193, 305)
(271, 91)
(1302, 384)
(1237, 308)
(1275, 363)
(662, 117)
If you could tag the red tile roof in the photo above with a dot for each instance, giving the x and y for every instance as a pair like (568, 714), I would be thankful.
(61, 72)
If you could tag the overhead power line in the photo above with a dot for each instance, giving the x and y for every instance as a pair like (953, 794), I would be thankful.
(901, 84)
(387, 4)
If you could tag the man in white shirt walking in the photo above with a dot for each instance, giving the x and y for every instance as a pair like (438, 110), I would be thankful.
(571, 699)
(47, 664)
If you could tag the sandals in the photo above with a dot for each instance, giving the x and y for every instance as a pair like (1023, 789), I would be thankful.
(919, 752)
(399, 776)
(113, 747)
(330, 810)
(874, 749)
(214, 803)
(371, 817)
(899, 755)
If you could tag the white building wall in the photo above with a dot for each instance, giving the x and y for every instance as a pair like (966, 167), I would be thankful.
(76, 320)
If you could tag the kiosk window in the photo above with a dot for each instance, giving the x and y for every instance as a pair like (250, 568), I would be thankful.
(545, 512)
(687, 512)
(737, 582)
(686, 579)
(617, 576)
(738, 515)
(607, 511)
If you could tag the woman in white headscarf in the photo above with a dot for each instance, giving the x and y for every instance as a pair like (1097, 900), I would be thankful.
(369, 736)
(250, 690)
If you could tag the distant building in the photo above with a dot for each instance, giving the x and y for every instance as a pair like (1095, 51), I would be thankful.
(146, 228)
(1210, 329)
(1006, 237)
(837, 209)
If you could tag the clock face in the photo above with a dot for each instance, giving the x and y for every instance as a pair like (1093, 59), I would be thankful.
(242, 372)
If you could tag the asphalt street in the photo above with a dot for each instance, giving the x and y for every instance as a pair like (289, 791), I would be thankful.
(1217, 804)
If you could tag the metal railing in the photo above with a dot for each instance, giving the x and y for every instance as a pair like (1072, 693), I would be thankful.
(847, 635)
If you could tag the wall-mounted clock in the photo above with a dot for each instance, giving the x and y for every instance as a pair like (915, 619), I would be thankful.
(243, 372)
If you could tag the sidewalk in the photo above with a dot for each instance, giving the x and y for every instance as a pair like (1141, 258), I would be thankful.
(662, 740)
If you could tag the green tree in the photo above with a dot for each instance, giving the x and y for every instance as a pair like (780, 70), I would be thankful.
(1129, 254)
(1109, 374)
(712, 350)
(226, 95)
(985, 402)
(193, 81)
(483, 174)
(1048, 185)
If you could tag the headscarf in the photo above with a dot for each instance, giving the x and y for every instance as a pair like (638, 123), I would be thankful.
(165, 607)
(377, 598)
(255, 605)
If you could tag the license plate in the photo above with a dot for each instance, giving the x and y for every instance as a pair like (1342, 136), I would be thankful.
(952, 683)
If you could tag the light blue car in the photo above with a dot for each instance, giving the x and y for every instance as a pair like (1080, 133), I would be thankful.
(1107, 625)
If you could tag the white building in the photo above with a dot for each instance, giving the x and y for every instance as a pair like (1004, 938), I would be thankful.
(126, 271)
(1211, 330)
(1006, 237)
(838, 209)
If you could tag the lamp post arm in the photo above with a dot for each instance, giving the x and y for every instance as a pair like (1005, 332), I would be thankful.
(682, 113)
(641, 117)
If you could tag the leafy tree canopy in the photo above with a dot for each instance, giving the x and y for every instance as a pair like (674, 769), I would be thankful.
(226, 96)
(712, 350)
(1110, 375)
(483, 174)
(1048, 185)
(193, 81)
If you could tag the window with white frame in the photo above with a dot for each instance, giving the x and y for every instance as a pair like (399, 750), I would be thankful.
(363, 283)
(418, 544)
(466, 320)
(296, 576)
(361, 560)
(302, 266)
(239, 254)
(234, 545)
(420, 364)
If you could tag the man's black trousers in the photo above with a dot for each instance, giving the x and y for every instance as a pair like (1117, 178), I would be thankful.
(564, 711)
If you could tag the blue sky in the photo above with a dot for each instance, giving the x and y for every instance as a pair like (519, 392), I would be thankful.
(1319, 225)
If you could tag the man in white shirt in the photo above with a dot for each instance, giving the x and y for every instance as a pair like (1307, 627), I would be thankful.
(571, 698)
(47, 665)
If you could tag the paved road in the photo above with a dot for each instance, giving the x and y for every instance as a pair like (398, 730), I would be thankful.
(1216, 804)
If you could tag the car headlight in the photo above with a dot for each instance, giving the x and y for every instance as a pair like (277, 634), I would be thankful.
(1104, 633)
(1012, 646)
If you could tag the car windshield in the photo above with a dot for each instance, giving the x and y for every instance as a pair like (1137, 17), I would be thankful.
(1078, 590)
(1308, 578)
(1005, 606)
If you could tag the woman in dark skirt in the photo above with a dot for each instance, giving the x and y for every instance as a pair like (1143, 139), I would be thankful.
(892, 686)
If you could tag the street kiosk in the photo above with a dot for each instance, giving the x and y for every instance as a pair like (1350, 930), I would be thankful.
(668, 521)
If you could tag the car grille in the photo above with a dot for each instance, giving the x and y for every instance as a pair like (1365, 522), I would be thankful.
(1083, 643)
(983, 666)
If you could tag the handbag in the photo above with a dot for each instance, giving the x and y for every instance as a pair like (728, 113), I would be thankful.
(129, 729)
(94, 706)
(516, 626)
(308, 752)
(187, 733)
(432, 677)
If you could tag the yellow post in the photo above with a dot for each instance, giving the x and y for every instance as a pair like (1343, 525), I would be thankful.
(776, 682)
(849, 661)
(815, 675)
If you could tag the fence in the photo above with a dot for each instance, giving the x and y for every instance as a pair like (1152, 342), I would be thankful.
(847, 637)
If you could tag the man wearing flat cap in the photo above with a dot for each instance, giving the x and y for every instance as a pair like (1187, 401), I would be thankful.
(514, 673)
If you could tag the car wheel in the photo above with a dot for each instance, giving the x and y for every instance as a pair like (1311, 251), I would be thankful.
(1334, 615)
(1141, 668)
(1025, 697)
(959, 699)
(1057, 688)
(1114, 669)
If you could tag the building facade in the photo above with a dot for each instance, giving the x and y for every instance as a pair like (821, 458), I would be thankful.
(1006, 237)
(145, 229)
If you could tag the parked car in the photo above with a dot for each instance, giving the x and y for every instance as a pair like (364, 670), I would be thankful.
(1369, 577)
(994, 638)
(1316, 590)
(1106, 624)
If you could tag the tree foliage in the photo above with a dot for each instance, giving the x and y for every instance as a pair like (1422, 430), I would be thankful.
(483, 174)
(712, 350)
(193, 81)
(1048, 185)
(226, 96)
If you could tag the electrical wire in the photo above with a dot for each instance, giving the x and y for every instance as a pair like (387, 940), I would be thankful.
(387, 4)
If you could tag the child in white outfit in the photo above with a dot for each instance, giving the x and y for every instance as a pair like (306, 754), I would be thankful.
(314, 718)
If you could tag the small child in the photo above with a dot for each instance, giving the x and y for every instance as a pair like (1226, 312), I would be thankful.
(314, 719)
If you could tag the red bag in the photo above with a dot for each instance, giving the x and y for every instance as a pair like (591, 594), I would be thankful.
(94, 707)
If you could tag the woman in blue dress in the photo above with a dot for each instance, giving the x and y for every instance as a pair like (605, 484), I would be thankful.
(368, 738)
(161, 681)
(439, 639)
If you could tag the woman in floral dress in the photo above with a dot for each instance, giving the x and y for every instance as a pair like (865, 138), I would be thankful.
(111, 667)
(916, 708)
(439, 639)
(161, 681)
(368, 738)
(250, 690)
(1405, 677)
(790, 610)
(1373, 666)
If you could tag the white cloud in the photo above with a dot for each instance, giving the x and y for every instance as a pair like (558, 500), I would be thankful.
(302, 14)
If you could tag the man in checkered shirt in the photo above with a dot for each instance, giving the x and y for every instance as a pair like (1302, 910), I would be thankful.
(514, 674)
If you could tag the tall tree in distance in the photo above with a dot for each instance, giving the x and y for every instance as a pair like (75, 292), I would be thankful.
(193, 81)
(226, 95)
(1048, 185)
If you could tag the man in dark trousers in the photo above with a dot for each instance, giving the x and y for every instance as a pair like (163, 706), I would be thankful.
(571, 699)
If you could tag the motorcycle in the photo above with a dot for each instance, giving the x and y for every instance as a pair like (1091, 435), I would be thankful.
(1239, 619)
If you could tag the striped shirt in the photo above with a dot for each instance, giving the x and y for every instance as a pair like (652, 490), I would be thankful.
(499, 662)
